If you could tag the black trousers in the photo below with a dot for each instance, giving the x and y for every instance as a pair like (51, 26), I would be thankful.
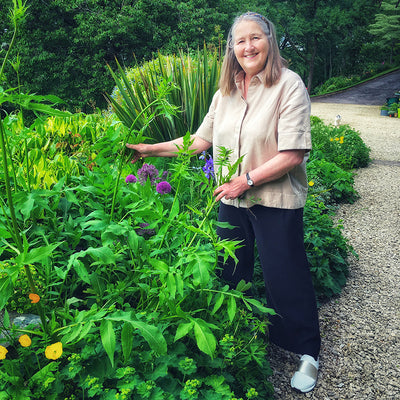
(279, 237)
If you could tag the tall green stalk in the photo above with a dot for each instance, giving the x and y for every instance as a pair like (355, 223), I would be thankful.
(17, 15)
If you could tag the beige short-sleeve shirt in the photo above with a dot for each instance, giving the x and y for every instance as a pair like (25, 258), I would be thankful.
(270, 120)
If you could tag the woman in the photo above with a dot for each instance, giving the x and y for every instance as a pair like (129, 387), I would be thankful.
(262, 112)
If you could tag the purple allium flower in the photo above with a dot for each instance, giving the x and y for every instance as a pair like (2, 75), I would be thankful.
(208, 167)
(148, 171)
(130, 179)
(163, 187)
(165, 175)
(144, 231)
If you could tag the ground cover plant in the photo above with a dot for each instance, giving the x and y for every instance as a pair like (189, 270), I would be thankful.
(120, 260)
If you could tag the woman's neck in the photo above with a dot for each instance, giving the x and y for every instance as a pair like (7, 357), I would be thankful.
(246, 84)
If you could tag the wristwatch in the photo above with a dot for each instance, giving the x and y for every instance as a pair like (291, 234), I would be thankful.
(249, 180)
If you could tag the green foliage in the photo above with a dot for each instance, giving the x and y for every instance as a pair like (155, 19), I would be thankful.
(322, 39)
(341, 145)
(326, 248)
(330, 183)
(386, 27)
(133, 297)
(336, 83)
(130, 294)
(65, 44)
(193, 79)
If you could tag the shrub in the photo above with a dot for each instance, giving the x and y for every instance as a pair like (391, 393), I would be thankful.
(330, 183)
(336, 83)
(327, 249)
(340, 145)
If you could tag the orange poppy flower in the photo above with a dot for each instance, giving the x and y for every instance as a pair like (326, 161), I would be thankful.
(25, 341)
(54, 351)
(3, 352)
(34, 297)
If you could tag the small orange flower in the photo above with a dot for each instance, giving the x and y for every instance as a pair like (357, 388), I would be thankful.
(3, 352)
(311, 183)
(54, 351)
(34, 297)
(25, 341)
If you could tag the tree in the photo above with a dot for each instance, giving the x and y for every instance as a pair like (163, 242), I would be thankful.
(322, 37)
(386, 28)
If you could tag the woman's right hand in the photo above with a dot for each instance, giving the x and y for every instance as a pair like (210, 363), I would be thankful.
(140, 151)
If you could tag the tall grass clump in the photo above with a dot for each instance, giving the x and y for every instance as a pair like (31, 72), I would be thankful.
(194, 79)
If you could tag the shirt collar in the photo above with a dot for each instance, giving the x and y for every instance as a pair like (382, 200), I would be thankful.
(239, 79)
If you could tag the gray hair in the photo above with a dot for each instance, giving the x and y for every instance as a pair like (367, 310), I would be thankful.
(230, 66)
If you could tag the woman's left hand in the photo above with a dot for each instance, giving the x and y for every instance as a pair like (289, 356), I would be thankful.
(232, 189)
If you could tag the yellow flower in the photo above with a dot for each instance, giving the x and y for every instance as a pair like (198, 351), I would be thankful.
(3, 352)
(311, 183)
(53, 351)
(341, 139)
(331, 139)
(337, 139)
(34, 297)
(25, 341)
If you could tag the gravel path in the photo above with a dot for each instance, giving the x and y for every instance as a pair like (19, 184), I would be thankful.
(360, 355)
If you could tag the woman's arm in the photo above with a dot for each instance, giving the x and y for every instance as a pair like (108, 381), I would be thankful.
(166, 149)
(273, 169)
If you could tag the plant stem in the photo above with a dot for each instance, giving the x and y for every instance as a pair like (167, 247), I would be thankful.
(8, 52)
(14, 223)
(15, 228)
(209, 208)
(122, 158)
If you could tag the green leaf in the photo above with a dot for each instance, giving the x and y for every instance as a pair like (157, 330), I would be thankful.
(205, 340)
(152, 335)
(108, 338)
(45, 375)
(183, 330)
(104, 254)
(159, 265)
(133, 240)
(6, 319)
(81, 271)
(36, 255)
(72, 333)
(171, 285)
(262, 308)
(218, 303)
(127, 340)
(6, 290)
(174, 209)
(85, 330)
(242, 286)
(231, 308)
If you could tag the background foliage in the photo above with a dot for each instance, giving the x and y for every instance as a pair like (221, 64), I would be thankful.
(65, 45)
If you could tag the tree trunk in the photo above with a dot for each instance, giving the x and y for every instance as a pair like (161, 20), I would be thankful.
(312, 63)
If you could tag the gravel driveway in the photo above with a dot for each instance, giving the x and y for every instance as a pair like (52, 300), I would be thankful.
(360, 355)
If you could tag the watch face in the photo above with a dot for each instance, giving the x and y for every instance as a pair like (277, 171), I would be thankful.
(250, 182)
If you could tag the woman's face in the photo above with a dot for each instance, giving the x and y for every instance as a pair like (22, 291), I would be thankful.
(250, 47)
